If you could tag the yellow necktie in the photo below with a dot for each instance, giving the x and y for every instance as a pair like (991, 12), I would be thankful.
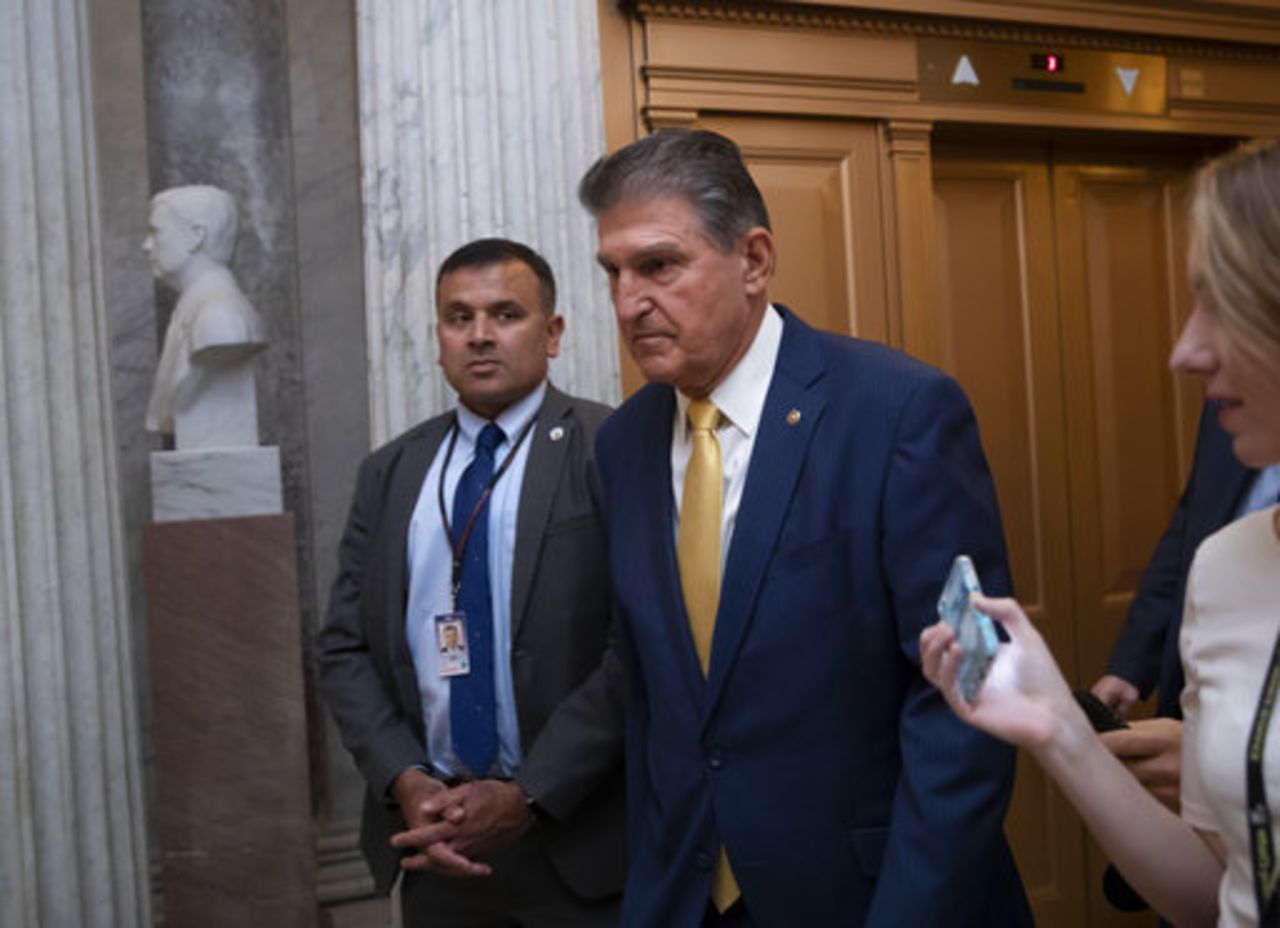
(698, 553)
(698, 543)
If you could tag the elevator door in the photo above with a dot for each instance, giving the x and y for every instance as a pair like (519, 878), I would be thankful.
(1059, 290)
(1061, 281)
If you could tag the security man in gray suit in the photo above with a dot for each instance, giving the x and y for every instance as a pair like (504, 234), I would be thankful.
(463, 652)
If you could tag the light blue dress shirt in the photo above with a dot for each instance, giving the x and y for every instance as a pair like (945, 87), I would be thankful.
(1263, 493)
(429, 564)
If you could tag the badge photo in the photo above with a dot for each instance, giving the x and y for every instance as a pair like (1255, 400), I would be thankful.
(451, 645)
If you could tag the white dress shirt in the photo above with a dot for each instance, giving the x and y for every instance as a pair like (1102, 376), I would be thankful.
(740, 398)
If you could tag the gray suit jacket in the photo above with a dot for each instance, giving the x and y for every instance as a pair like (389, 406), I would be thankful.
(567, 703)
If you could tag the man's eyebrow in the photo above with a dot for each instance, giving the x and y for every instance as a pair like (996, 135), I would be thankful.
(655, 250)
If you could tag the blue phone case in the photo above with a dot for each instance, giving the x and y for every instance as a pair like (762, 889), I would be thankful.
(974, 630)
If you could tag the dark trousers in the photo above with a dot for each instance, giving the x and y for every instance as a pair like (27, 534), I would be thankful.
(524, 891)
(733, 917)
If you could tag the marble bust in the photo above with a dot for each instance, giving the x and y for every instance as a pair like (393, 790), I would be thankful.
(204, 391)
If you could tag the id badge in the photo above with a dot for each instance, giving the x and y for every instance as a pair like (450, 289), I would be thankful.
(451, 645)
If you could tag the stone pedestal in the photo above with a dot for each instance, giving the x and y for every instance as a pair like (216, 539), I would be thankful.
(215, 483)
(233, 810)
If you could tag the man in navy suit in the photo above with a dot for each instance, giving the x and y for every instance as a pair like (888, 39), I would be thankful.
(787, 764)
(1145, 654)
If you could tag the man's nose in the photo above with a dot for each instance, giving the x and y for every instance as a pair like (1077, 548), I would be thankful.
(481, 331)
(630, 295)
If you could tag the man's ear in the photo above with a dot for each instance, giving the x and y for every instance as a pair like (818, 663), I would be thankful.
(196, 235)
(555, 328)
(758, 259)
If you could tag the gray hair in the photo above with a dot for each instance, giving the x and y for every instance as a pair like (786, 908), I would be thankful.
(1235, 219)
(210, 208)
(703, 168)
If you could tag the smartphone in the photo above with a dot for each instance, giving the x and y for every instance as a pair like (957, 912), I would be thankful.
(974, 630)
(1101, 716)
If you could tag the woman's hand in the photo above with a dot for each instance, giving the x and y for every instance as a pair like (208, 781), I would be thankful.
(1025, 699)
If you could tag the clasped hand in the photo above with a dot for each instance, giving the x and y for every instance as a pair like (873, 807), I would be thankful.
(449, 827)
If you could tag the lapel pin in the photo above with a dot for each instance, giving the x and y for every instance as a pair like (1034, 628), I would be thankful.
(556, 433)
(793, 417)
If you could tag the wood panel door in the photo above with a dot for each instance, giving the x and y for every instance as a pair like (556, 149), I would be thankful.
(1130, 426)
(1061, 282)
(822, 183)
(1000, 337)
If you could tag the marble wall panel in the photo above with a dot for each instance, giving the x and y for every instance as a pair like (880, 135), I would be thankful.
(476, 119)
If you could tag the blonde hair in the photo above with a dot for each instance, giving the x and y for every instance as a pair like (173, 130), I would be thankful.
(1235, 218)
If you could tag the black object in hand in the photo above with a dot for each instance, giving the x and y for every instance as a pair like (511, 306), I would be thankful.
(1101, 716)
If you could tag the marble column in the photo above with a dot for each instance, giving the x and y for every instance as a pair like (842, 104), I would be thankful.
(73, 847)
(477, 118)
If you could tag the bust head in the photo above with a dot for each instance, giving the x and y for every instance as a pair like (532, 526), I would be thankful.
(186, 222)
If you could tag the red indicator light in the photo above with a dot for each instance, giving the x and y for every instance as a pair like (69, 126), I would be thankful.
(1048, 61)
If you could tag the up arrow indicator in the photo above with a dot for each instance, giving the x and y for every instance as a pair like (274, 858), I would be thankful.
(964, 72)
(1128, 77)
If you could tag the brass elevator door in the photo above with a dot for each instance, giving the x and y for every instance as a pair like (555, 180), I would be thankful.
(1061, 276)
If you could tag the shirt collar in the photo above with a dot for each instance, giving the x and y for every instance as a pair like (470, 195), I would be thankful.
(740, 396)
(511, 420)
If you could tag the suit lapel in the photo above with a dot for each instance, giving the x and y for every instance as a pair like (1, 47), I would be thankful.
(792, 408)
(1225, 485)
(402, 496)
(541, 477)
(652, 528)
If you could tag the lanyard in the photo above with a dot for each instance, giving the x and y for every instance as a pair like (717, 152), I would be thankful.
(1261, 841)
(459, 545)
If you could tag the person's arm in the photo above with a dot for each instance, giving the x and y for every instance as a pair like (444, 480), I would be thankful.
(1151, 749)
(1026, 701)
(1134, 667)
(946, 826)
(581, 743)
(373, 727)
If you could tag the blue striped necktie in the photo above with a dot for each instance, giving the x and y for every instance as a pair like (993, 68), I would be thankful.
(472, 704)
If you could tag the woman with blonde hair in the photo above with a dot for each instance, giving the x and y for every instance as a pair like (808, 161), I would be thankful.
(1217, 863)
